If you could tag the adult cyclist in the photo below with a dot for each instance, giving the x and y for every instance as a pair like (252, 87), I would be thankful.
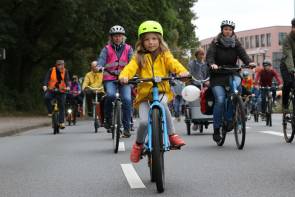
(57, 77)
(264, 78)
(224, 51)
(113, 57)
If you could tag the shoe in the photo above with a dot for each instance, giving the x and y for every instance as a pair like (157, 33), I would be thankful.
(176, 140)
(136, 153)
(216, 135)
(62, 125)
(49, 115)
(126, 134)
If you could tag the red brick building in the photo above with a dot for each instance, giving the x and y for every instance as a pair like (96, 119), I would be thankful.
(261, 43)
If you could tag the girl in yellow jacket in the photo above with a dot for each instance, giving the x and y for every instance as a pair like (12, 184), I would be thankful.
(152, 58)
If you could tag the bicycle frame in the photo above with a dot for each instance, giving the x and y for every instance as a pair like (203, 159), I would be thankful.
(156, 104)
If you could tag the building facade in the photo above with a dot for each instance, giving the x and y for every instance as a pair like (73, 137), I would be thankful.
(262, 43)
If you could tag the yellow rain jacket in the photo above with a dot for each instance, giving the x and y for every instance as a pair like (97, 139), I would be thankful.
(164, 64)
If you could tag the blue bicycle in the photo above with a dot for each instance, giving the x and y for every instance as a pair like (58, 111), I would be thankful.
(234, 97)
(157, 139)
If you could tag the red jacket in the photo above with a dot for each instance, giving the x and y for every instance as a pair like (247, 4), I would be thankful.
(264, 77)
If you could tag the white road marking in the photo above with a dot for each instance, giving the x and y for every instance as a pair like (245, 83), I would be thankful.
(121, 146)
(132, 177)
(248, 127)
(272, 133)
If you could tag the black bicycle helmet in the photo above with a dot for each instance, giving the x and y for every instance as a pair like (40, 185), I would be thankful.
(293, 22)
(266, 63)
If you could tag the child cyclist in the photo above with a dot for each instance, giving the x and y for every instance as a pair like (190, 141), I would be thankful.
(152, 58)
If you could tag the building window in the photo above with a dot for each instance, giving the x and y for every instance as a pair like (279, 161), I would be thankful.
(251, 42)
(257, 41)
(242, 42)
(262, 40)
(268, 39)
(282, 36)
(247, 42)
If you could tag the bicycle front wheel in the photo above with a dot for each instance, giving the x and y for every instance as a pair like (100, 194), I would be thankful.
(55, 121)
(157, 151)
(117, 126)
(239, 123)
(289, 122)
(269, 113)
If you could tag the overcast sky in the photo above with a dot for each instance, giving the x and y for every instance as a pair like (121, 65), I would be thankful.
(247, 14)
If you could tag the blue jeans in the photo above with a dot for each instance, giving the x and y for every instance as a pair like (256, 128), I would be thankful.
(219, 106)
(61, 100)
(177, 102)
(125, 95)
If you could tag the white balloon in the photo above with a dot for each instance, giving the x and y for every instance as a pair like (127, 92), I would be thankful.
(190, 93)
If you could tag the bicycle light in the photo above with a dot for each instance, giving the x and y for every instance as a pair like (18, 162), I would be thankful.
(69, 111)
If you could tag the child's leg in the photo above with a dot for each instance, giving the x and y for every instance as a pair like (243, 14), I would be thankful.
(143, 117)
(170, 126)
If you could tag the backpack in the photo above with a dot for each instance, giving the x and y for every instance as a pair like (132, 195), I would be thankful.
(206, 101)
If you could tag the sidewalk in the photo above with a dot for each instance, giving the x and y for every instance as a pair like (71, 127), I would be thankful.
(13, 125)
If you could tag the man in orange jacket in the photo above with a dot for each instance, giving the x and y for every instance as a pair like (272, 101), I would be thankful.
(57, 78)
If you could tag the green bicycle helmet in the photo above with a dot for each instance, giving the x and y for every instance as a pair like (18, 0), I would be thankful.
(150, 26)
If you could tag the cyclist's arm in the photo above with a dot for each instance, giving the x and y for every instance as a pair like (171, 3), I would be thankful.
(277, 77)
(102, 59)
(211, 53)
(258, 78)
(288, 55)
(85, 82)
(174, 66)
(130, 69)
(242, 53)
(67, 79)
(47, 77)
(130, 54)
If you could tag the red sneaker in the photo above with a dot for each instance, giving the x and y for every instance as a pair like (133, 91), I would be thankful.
(136, 152)
(176, 141)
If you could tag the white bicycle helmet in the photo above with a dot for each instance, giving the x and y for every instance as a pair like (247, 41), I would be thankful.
(227, 23)
(117, 29)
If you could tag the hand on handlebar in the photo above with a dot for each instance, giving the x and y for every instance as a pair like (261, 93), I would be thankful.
(44, 88)
(184, 74)
(214, 66)
(124, 80)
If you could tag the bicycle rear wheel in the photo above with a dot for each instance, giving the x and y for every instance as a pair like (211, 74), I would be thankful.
(239, 123)
(116, 125)
(289, 122)
(157, 151)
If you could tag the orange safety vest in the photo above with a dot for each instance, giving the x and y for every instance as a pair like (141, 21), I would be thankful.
(53, 80)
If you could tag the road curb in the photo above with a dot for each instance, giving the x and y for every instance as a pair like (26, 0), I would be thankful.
(15, 131)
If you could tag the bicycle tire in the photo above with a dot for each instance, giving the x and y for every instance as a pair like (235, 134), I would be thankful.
(187, 121)
(117, 126)
(239, 122)
(96, 125)
(223, 136)
(157, 151)
(55, 124)
(289, 117)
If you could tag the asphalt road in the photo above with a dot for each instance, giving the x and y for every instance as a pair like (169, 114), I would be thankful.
(79, 162)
